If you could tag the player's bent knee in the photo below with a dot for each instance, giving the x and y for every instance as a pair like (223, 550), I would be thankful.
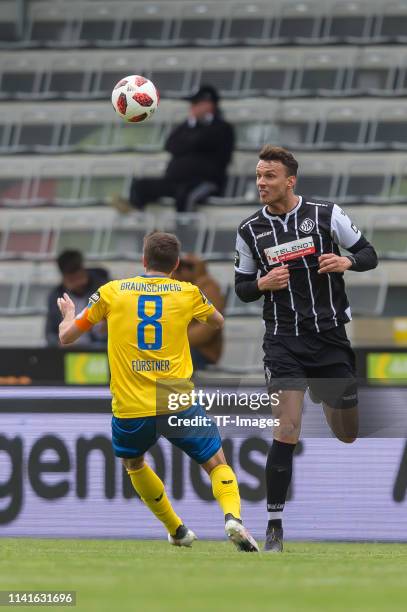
(217, 459)
(133, 463)
(348, 440)
(287, 433)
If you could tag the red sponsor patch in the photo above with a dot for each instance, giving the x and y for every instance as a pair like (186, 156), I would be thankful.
(139, 80)
(157, 93)
(121, 83)
(290, 250)
(297, 254)
(143, 99)
(121, 104)
(138, 118)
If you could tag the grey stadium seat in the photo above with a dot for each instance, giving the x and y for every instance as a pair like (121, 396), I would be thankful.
(350, 21)
(391, 23)
(148, 23)
(199, 23)
(249, 23)
(299, 22)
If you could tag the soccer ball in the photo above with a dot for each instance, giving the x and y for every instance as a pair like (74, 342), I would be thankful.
(135, 98)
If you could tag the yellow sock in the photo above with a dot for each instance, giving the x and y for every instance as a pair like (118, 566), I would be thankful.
(151, 490)
(225, 489)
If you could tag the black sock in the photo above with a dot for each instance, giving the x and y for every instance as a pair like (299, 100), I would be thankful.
(278, 477)
(278, 523)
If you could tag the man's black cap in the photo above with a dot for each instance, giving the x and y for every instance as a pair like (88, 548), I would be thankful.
(205, 92)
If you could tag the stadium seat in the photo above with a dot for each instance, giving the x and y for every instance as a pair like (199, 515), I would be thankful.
(69, 77)
(367, 294)
(319, 178)
(22, 331)
(100, 25)
(242, 351)
(10, 288)
(175, 75)
(21, 76)
(350, 21)
(391, 23)
(297, 126)
(37, 282)
(224, 71)
(388, 233)
(270, 74)
(6, 133)
(375, 73)
(249, 23)
(299, 22)
(36, 131)
(199, 23)
(344, 127)
(84, 232)
(367, 180)
(191, 229)
(390, 129)
(109, 69)
(221, 239)
(27, 237)
(103, 179)
(148, 24)
(323, 73)
(123, 237)
(55, 24)
(11, 24)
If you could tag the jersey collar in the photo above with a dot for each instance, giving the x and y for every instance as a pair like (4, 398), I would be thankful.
(280, 217)
(153, 276)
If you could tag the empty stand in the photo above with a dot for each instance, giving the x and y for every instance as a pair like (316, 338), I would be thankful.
(102, 23)
(292, 72)
(325, 78)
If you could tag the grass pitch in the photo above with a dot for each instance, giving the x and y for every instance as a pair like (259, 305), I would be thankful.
(152, 576)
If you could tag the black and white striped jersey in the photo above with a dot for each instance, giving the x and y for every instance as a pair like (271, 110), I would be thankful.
(312, 302)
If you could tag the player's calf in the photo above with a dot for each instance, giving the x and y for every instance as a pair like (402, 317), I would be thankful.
(344, 423)
(278, 477)
(152, 491)
(226, 492)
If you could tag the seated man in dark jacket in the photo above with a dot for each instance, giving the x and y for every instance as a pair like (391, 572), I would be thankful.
(201, 149)
(79, 283)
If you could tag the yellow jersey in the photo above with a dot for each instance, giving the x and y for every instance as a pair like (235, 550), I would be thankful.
(147, 320)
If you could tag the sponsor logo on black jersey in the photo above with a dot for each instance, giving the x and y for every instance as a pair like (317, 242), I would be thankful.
(264, 234)
(290, 250)
(307, 225)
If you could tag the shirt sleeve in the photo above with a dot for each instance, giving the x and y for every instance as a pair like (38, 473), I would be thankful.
(244, 260)
(95, 311)
(202, 308)
(344, 233)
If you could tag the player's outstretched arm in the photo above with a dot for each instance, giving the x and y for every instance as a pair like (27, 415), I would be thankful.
(68, 330)
(215, 320)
